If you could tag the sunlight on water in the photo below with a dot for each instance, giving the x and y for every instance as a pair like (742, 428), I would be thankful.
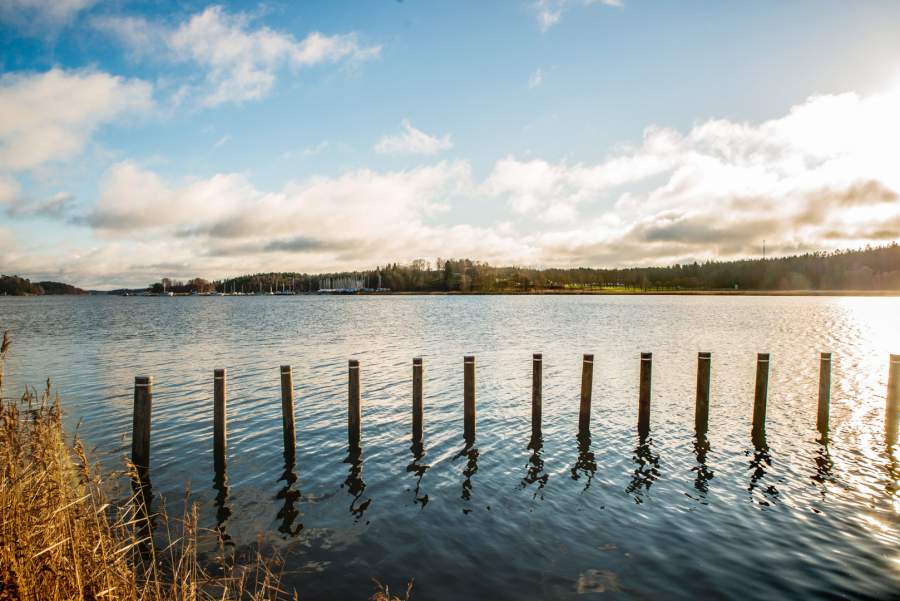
(519, 513)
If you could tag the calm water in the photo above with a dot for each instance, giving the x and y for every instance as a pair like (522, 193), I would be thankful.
(614, 519)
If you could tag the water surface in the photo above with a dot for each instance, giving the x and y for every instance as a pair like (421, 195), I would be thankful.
(611, 516)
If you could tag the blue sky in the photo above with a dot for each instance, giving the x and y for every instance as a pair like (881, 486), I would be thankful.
(149, 139)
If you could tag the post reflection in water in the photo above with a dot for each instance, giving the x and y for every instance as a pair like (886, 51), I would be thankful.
(824, 465)
(142, 494)
(762, 460)
(647, 470)
(704, 474)
(223, 511)
(470, 452)
(355, 484)
(585, 465)
(288, 513)
(418, 469)
(534, 470)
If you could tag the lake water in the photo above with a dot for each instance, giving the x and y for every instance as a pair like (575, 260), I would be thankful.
(615, 518)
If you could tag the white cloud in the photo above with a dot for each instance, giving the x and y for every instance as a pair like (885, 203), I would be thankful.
(549, 12)
(412, 141)
(50, 116)
(240, 61)
(42, 15)
(536, 78)
(821, 177)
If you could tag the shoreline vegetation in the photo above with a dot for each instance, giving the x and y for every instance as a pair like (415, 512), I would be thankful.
(865, 272)
(64, 536)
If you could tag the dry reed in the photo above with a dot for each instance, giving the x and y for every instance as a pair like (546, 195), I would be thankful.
(62, 538)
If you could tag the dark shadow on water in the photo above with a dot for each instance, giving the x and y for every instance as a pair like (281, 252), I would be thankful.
(534, 470)
(418, 469)
(646, 471)
(824, 465)
(356, 486)
(585, 466)
(288, 513)
(223, 511)
(703, 473)
(759, 465)
(470, 452)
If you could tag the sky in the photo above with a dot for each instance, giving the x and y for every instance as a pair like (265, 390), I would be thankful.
(150, 139)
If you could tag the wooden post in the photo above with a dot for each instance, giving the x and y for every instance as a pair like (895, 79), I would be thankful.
(701, 412)
(287, 410)
(140, 429)
(762, 392)
(417, 408)
(892, 408)
(822, 417)
(220, 434)
(644, 397)
(537, 379)
(469, 397)
(354, 417)
(587, 384)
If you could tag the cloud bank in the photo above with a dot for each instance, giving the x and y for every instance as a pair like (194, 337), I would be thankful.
(821, 176)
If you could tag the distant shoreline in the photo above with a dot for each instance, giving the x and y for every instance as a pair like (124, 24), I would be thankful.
(652, 293)
(867, 293)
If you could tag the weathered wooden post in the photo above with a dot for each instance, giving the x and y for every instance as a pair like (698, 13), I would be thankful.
(892, 408)
(220, 433)
(644, 397)
(417, 408)
(287, 410)
(587, 385)
(701, 411)
(354, 417)
(761, 395)
(469, 397)
(140, 429)
(537, 380)
(822, 417)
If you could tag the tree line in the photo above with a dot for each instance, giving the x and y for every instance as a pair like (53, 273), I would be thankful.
(13, 285)
(870, 268)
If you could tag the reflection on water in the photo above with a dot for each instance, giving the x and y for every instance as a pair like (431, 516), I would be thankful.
(470, 452)
(534, 471)
(287, 513)
(760, 465)
(223, 511)
(833, 532)
(356, 486)
(585, 466)
(646, 470)
(418, 469)
(704, 473)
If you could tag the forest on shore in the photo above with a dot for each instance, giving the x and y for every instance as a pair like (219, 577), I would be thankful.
(866, 269)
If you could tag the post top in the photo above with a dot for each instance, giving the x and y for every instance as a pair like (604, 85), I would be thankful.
(588, 357)
(826, 356)
(537, 356)
(705, 355)
(469, 358)
(354, 363)
(417, 360)
(219, 373)
(285, 368)
(895, 358)
(646, 356)
(762, 356)
(143, 380)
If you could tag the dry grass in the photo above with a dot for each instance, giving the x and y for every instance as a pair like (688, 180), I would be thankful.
(61, 538)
